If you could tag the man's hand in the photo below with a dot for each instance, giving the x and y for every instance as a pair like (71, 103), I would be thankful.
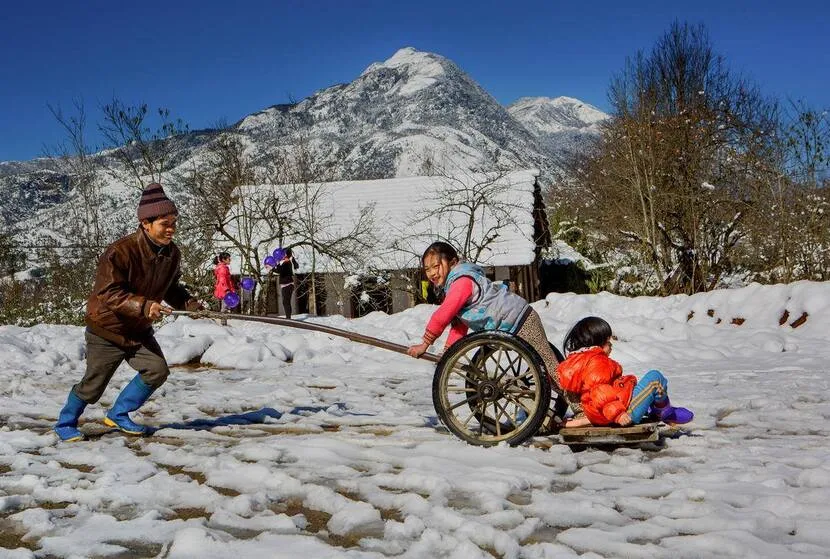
(417, 350)
(156, 310)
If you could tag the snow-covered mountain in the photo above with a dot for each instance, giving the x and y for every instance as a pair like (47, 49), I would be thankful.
(400, 112)
(560, 124)
(543, 115)
(397, 118)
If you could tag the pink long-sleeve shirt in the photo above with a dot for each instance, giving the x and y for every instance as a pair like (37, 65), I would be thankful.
(460, 292)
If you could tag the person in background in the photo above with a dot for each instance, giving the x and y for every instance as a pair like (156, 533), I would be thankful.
(134, 275)
(285, 269)
(224, 284)
(590, 376)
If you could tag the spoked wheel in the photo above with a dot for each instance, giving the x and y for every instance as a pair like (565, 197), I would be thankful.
(558, 404)
(491, 387)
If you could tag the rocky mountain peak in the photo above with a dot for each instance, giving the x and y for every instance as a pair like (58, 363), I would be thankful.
(396, 111)
(546, 115)
(422, 68)
(561, 125)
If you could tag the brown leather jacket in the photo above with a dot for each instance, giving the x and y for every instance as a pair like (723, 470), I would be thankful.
(132, 273)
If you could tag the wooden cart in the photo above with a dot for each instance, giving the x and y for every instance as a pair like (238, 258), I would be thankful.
(488, 388)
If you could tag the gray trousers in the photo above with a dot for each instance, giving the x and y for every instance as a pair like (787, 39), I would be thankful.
(103, 358)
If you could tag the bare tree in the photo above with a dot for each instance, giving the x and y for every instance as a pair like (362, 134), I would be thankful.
(675, 170)
(70, 265)
(144, 150)
(478, 208)
(807, 135)
(211, 183)
(312, 221)
(790, 238)
(229, 210)
(289, 206)
(472, 209)
(77, 161)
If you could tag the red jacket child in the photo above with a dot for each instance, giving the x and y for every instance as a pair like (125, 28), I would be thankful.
(588, 375)
(224, 285)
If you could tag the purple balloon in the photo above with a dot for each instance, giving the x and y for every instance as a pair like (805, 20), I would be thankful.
(248, 283)
(231, 300)
(270, 261)
(279, 254)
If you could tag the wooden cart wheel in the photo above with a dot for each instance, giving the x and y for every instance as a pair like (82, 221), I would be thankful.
(491, 387)
(558, 405)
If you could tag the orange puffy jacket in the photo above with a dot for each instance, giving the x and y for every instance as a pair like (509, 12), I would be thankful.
(596, 380)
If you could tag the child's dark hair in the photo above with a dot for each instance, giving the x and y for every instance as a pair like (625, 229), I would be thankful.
(289, 252)
(221, 256)
(442, 250)
(588, 332)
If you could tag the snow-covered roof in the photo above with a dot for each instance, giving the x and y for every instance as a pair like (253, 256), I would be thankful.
(407, 218)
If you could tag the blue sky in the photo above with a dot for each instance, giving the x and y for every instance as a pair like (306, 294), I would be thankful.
(207, 61)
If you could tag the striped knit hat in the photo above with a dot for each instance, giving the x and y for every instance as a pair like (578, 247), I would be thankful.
(154, 203)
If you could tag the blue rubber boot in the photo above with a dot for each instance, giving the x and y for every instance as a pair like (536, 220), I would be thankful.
(131, 398)
(67, 426)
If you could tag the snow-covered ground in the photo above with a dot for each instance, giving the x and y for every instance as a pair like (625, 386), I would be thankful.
(287, 443)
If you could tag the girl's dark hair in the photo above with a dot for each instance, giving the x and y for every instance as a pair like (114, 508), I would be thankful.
(588, 332)
(442, 250)
(288, 252)
(221, 256)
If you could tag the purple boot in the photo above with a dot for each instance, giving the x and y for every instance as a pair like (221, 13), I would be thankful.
(672, 415)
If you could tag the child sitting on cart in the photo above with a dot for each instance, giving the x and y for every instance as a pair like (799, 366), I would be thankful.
(589, 376)
(473, 302)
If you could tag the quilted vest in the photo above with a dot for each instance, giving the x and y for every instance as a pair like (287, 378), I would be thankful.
(494, 307)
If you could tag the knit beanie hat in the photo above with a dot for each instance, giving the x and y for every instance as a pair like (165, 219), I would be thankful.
(154, 203)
